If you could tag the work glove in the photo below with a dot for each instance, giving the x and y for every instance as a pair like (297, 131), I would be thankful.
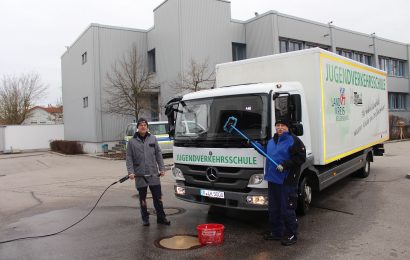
(280, 167)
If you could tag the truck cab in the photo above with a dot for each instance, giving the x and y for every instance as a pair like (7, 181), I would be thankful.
(218, 168)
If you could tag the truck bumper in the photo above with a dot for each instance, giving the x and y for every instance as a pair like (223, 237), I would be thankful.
(237, 200)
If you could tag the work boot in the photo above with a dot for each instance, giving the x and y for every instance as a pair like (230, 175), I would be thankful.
(271, 236)
(145, 223)
(289, 240)
(163, 221)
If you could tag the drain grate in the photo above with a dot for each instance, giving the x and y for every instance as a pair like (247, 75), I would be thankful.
(168, 211)
(178, 242)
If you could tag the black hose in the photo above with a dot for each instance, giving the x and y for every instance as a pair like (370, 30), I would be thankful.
(53, 234)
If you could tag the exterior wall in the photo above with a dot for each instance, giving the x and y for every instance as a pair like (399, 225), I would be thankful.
(238, 32)
(112, 44)
(78, 82)
(177, 40)
(213, 40)
(353, 41)
(301, 29)
(96, 147)
(165, 38)
(259, 36)
(16, 137)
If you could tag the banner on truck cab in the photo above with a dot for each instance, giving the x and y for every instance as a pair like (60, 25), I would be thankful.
(230, 157)
(354, 107)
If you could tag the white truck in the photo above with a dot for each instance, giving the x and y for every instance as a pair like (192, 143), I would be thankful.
(337, 106)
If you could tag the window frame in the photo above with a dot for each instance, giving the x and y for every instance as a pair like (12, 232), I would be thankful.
(397, 101)
(238, 51)
(152, 66)
(393, 67)
(84, 58)
(85, 102)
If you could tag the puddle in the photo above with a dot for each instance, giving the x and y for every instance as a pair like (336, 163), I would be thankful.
(179, 242)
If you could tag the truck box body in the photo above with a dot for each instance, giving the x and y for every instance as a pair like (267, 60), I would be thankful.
(346, 100)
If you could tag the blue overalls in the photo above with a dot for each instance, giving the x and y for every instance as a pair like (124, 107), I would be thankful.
(282, 198)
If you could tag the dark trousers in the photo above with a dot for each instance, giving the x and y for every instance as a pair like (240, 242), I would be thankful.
(282, 206)
(156, 196)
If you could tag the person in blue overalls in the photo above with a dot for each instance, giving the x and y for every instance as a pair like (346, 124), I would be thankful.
(289, 152)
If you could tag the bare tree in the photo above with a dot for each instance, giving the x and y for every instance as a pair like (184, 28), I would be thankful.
(130, 85)
(197, 77)
(18, 95)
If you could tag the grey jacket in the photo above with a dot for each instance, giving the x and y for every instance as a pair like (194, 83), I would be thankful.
(144, 158)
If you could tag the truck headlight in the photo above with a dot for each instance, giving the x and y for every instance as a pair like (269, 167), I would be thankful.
(256, 179)
(178, 173)
(257, 200)
(179, 190)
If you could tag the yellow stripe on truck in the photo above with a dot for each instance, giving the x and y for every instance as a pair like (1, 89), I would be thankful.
(323, 106)
(337, 157)
(384, 74)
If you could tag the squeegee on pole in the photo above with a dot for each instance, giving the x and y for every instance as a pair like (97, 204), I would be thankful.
(231, 125)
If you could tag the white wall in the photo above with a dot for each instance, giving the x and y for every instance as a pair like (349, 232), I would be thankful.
(2, 130)
(31, 137)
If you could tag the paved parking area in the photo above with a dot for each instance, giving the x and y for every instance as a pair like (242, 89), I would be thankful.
(41, 193)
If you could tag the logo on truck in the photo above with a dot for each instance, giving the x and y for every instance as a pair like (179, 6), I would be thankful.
(212, 174)
(339, 105)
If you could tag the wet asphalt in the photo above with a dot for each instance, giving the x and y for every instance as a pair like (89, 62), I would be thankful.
(41, 193)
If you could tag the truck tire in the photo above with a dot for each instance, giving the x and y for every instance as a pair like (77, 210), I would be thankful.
(365, 171)
(305, 195)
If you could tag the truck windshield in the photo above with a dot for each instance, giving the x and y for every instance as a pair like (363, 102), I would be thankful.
(203, 120)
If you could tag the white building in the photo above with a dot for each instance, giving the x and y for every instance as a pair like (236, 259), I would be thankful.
(44, 115)
(200, 30)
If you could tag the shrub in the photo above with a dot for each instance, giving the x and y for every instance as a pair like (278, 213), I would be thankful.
(66, 147)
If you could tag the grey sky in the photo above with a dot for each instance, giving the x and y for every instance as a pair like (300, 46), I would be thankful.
(34, 33)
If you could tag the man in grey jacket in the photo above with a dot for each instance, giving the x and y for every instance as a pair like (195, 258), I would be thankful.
(146, 166)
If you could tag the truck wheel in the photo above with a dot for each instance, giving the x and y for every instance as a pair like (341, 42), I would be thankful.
(305, 196)
(365, 171)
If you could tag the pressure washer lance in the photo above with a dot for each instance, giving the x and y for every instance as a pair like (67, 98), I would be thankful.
(95, 205)
(230, 125)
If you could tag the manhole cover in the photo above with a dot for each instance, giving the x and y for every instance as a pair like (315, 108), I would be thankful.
(179, 242)
(168, 211)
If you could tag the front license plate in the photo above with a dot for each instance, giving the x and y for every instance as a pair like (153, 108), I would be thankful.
(213, 194)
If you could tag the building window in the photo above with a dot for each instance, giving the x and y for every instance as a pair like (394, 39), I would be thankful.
(84, 58)
(154, 107)
(397, 101)
(287, 45)
(355, 55)
(151, 61)
(238, 51)
(85, 102)
(393, 67)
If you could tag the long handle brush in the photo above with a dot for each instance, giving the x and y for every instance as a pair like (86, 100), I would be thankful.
(230, 125)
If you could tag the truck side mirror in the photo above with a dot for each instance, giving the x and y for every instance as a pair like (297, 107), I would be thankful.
(170, 108)
(296, 129)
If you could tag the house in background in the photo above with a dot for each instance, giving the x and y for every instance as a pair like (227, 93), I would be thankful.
(45, 116)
